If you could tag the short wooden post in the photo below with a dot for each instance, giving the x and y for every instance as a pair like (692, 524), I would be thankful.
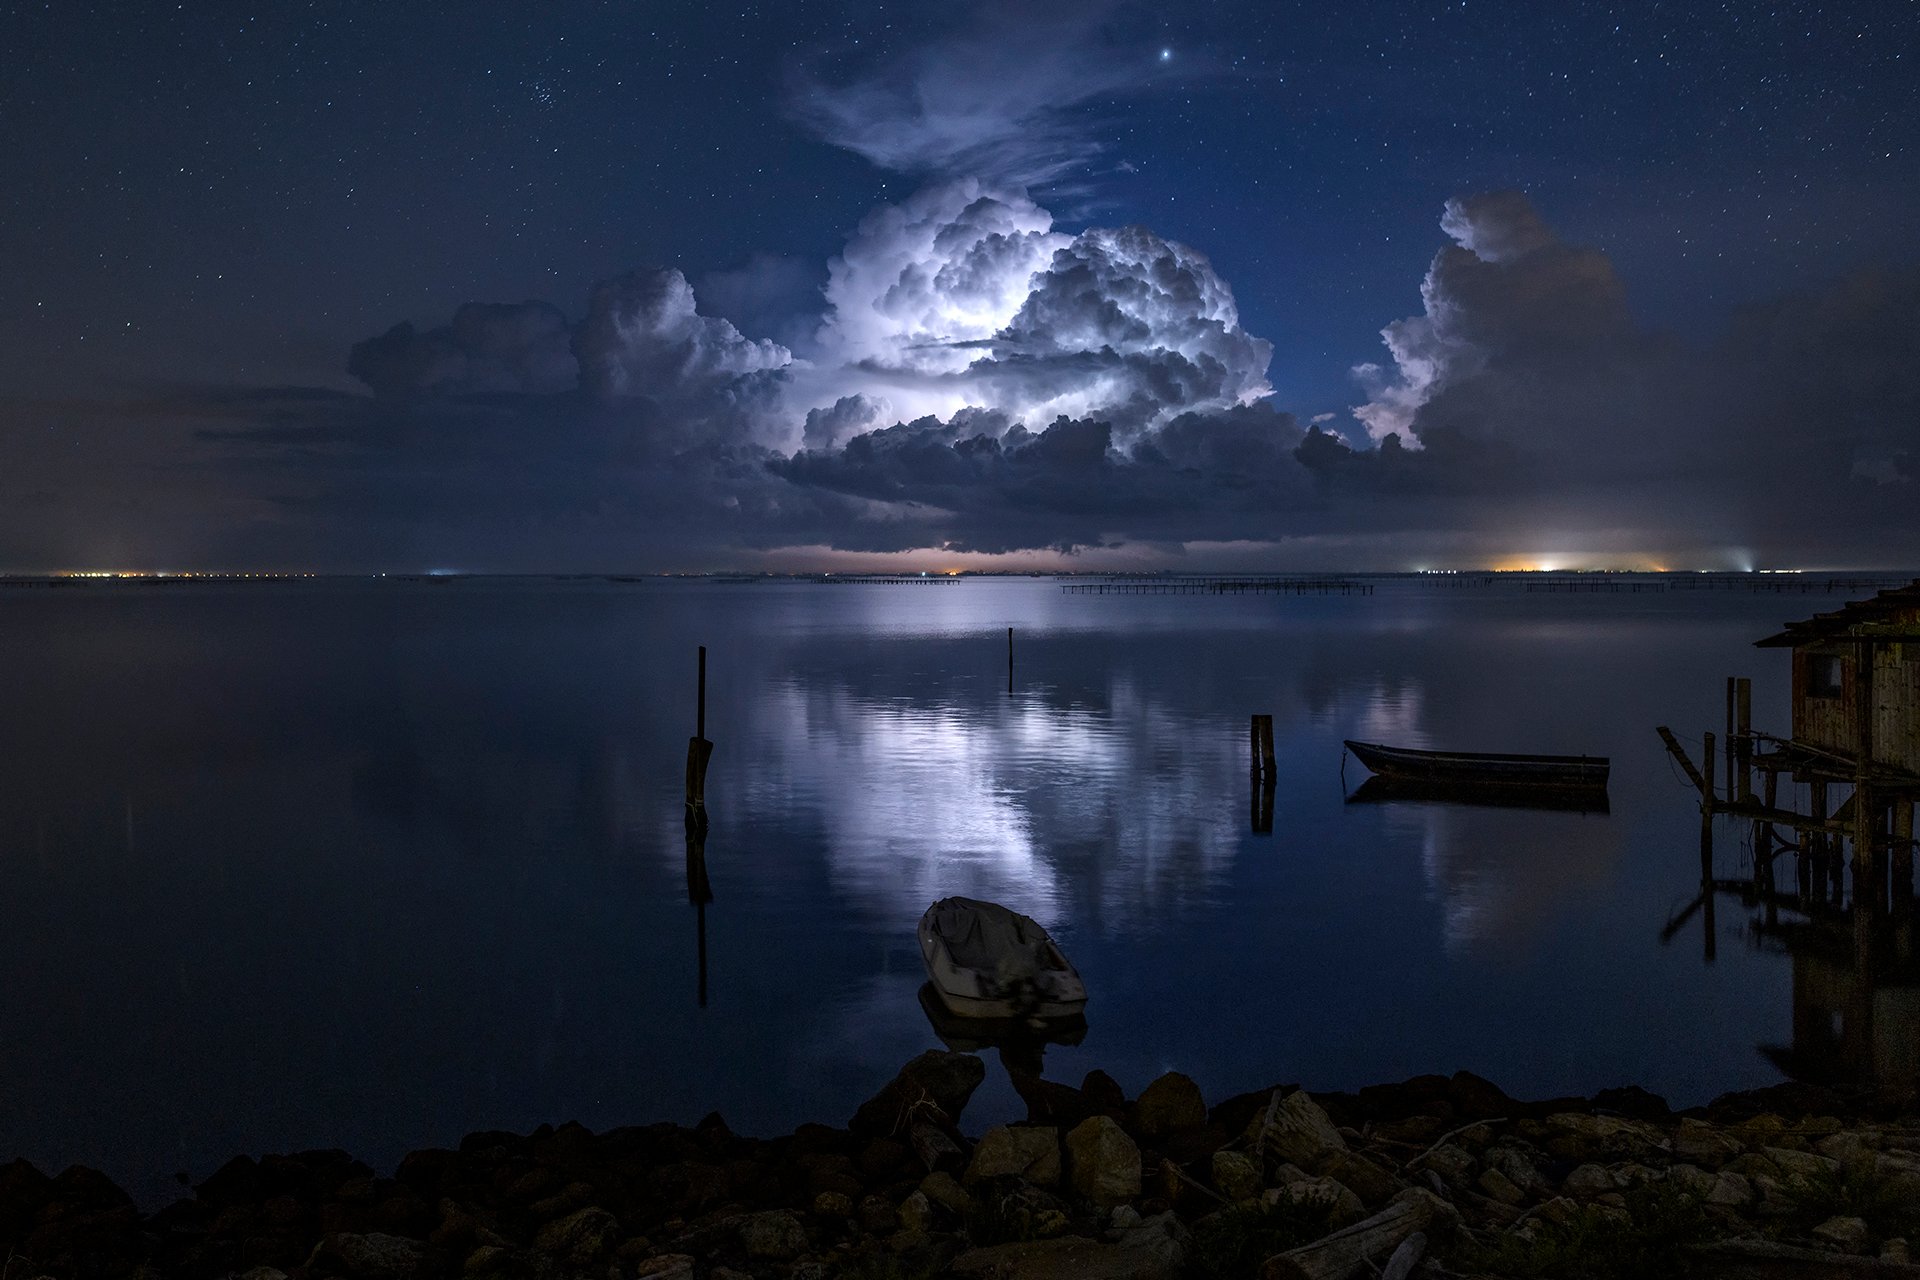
(1260, 756)
(1009, 662)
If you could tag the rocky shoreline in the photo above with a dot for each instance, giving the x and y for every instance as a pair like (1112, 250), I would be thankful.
(1433, 1177)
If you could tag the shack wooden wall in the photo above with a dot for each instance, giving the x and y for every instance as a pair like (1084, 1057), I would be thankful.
(1829, 722)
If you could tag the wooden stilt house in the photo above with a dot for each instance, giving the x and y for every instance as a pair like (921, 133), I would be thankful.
(1856, 687)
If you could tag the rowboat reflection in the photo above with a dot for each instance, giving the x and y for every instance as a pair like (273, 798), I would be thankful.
(1022, 1042)
(1378, 790)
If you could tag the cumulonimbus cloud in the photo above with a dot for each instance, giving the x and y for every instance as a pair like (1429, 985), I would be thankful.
(984, 382)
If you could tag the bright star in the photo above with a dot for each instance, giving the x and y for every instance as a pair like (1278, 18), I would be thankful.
(1166, 55)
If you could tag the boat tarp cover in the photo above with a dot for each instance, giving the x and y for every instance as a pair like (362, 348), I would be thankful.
(988, 938)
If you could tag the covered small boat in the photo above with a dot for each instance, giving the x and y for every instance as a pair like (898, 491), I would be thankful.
(1480, 768)
(986, 961)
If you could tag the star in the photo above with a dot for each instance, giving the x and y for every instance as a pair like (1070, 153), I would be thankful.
(1166, 55)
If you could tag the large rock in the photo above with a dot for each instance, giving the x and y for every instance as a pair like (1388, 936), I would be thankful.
(1235, 1176)
(775, 1233)
(1341, 1205)
(1104, 1162)
(1585, 1139)
(1067, 1258)
(1172, 1104)
(1698, 1143)
(581, 1238)
(1027, 1151)
(372, 1255)
(936, 1079)
(1295, 1130)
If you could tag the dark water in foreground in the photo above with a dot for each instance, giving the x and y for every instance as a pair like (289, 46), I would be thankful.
(376, 865)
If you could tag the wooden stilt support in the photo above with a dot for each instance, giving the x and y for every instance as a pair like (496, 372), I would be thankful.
(1009, 662)
(1740, 782)
(1901, 853)
(1679, 753)
(1706, 813)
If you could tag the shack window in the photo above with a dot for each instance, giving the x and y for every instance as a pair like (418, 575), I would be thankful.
(1823, 675)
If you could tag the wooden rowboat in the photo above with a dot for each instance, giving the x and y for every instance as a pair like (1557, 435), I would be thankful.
(1404, 764)
(988, 962)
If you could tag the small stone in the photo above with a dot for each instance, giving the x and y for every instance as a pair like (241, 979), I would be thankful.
(1849, 1235)
(1234, 1176)
(774, 1233)
(945, 1190)
(667, 1266)
(1124, 1217)
(1588, 1180)
(1895, 1250)
(916, 1212)
(1730, 1190)
(728, 1273)
(1498, 1186)
(1027, 1151)
(833, 1204)
(580, 1237)
(1343, 1207)
(1172, 1104)
(1105, 1161)
(1049, 1222)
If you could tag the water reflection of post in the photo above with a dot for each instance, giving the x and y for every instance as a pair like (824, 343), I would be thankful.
(699, 893)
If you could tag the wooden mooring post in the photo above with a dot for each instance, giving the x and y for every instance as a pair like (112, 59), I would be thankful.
(1009, 662)
(699, 893)
(1262, 773)
(1741, 743)
(699, 752)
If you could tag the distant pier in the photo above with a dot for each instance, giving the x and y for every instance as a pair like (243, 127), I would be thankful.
(1221, 587)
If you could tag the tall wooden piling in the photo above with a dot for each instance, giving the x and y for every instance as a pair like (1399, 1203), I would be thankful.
(1009, 662)
(699, 752)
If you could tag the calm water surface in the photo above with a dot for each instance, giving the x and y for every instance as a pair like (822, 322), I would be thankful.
(376, 865)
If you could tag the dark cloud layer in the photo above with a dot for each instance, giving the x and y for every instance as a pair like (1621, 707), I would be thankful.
(1111, 403)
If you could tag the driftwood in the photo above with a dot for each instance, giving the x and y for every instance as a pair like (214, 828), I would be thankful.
(1345, 1252)
(1406, 1257)
(1765, 1260)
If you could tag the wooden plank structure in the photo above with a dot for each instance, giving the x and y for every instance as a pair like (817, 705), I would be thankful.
(1855, 738)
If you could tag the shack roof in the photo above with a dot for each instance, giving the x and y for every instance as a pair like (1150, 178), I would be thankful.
(1874, 619)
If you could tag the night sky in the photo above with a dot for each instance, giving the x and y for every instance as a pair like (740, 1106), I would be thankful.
(938, 286)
